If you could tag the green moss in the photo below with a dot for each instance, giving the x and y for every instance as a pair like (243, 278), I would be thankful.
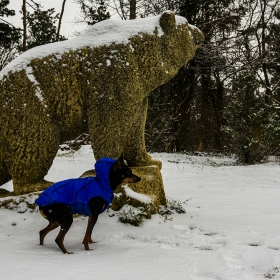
(172, 206)
(131, 215)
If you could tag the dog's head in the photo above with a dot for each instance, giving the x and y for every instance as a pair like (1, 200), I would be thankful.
(122, 173)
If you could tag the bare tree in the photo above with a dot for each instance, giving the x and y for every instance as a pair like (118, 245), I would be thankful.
(9, 35)
(93, 11)
(256, 43)
(127, 9)
(157, 7)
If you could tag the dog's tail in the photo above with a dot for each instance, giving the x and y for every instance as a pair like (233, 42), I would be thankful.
(89, 173)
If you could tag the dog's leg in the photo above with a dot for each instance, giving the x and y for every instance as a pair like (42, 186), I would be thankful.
(66, 220)
(57, 214)
(28, 171)
(90, 234)
(91, 222)
(60, 238)
(51, 226)
(96, 205)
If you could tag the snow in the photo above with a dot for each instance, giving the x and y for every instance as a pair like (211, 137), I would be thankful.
(31, 77)
(230, 230)
(103, 33)
(140, 197)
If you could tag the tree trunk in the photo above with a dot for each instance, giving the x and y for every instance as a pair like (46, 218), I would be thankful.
(132, 9)
(24, 41)
(219, 114)
(60, 19)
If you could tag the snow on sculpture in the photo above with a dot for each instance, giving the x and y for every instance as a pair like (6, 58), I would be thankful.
(97, 82)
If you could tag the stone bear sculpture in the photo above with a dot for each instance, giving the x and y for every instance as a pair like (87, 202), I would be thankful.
(97, 82)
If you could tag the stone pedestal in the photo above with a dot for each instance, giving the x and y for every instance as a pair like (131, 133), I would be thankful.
(148, 193)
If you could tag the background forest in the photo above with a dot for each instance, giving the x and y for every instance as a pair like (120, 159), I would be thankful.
(225, 100)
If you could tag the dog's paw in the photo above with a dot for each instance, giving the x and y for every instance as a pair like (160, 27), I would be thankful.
(69, 253)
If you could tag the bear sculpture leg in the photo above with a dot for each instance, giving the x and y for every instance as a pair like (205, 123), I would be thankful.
(135, 147)
(31, 158)
(109, 127)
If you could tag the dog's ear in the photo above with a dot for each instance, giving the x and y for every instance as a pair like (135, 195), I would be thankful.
(118, 164)
(121, 158)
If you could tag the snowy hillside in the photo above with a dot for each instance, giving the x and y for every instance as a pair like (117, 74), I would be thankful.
(230, 230)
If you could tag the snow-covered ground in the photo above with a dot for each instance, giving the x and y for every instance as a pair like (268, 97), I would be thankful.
(231, 228)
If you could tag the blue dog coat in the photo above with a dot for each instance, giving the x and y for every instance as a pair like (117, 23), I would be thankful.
(76, 193)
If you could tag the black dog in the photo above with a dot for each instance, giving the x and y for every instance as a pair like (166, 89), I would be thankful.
(88, 196)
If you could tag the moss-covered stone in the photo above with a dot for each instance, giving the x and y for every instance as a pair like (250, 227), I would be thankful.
(101, 89)
(148, 193)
